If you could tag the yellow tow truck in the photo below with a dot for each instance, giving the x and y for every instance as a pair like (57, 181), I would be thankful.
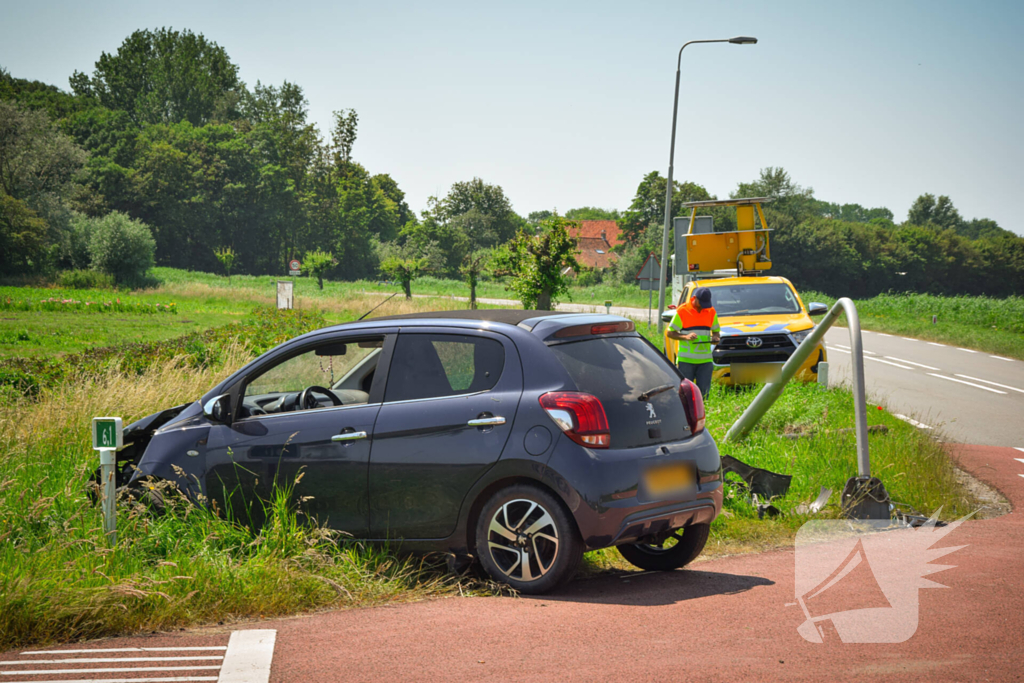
(762, 317)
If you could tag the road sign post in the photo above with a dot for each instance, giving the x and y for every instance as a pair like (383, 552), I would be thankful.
(108, 439)
(294, 267)
(650, 273)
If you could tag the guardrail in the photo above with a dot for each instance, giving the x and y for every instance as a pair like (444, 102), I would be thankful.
(771, 391)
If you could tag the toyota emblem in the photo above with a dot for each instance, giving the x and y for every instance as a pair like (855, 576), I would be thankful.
(754, 342)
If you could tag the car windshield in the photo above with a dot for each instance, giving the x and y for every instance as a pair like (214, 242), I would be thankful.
(753, 299)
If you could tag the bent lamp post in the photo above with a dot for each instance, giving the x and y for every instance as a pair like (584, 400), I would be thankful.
(771, 391)
(737, 40)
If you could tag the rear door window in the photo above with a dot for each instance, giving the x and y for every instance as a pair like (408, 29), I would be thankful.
(438, 365)
(619, 371)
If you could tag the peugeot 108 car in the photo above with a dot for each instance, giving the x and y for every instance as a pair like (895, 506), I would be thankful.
(519, 438)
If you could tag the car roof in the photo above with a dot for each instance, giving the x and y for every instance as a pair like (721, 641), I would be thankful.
(760, 280)
(511, 316)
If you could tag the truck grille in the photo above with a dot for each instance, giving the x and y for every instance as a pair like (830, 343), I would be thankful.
(774, 348)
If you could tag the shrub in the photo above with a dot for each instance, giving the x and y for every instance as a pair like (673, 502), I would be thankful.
(77, 239)
(122, 247)
(85, 279)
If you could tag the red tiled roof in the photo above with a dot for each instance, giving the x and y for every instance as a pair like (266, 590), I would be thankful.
(609, 230)
(595, 252)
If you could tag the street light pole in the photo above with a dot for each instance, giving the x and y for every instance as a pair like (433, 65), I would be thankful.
(738, 40)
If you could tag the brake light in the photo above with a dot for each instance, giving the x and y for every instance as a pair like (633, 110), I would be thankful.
(604, 328)
(581, 416)
(693, 405)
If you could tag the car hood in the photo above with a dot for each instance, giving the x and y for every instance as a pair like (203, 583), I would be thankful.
(752, 324)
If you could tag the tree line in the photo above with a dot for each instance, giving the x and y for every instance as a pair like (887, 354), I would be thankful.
(163, 155)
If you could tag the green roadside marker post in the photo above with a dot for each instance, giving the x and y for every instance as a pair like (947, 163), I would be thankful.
(108, 439)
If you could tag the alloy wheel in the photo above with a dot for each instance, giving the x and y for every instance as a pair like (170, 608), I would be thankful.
(523, 540)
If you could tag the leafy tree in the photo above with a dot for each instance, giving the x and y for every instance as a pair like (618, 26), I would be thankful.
(488, 200)
(343, 135)
(648, 205)
(927, 210)
(23, 236)
(535, 218)
(475, 264)
(538, 263)
(592, 213)
(122, 247)
(405, 263)
(227, 256)
(35, 158)
(318, 263)
(165, 76)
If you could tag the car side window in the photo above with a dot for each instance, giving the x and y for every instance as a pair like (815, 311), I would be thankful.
(438, 365)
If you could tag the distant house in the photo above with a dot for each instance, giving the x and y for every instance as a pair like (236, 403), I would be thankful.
(595, 240)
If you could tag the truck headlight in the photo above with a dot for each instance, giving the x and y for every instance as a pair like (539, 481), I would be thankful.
(799, 337)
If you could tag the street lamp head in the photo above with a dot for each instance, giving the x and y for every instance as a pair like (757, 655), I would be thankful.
(743, 40)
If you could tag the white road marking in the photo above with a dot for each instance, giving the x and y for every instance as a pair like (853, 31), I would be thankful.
(844, 346)
(124, 680)
(995, 384)
(833, 348)
(911, 421)
(125, 649)
(970, 384)
(1019, 459)
(249, 656)
(935, 344)
(909, 339)
(967, 350)
(1001, 358)
(879, 360)
(1017, 448)
(883, 334)
(920, 365)
(106, 660)
(121, 669)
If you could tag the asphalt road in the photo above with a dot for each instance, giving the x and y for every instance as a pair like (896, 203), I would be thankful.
(967, 396)
(730, 619)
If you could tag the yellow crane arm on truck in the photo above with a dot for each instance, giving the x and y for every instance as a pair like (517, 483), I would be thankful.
(745, 249)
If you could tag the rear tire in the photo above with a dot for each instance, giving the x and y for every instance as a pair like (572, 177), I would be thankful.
(525, 538)
(688, 544)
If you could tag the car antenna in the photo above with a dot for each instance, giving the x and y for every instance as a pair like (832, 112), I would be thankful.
(377, 306)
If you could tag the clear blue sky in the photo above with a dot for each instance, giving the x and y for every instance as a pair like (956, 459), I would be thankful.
(570, 104)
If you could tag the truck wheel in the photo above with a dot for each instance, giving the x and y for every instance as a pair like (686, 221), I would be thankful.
(680, 548)
(525, 538)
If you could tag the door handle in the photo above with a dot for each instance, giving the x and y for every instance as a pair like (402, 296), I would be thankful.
(349, 436)
(486, 421)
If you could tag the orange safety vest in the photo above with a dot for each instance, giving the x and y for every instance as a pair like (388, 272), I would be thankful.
(687, 320)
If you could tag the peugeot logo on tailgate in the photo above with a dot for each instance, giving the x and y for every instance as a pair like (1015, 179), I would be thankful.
(754, 342)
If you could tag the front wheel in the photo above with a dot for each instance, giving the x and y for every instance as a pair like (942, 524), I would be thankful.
(525, 538)
(679, 548)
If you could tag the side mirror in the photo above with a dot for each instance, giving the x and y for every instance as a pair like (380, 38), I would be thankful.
(218, 409)
(815, 308)
(668, 315)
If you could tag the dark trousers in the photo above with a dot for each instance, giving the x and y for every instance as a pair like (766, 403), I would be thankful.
(699, 374)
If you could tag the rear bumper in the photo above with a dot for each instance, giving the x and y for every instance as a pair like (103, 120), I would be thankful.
(605, 492)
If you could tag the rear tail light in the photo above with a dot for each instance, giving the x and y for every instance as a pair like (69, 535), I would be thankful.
(602, 328)
(581, 416)
(693, 405)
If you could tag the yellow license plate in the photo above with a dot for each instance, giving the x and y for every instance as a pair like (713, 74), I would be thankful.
(668, 479)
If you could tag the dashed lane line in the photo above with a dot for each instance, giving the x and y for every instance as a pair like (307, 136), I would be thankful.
(967, 350)
(249, 656)
(911, 421)
(935, 344)
(970, 384)
(995, 384)
(1001, 358)
(910, 339)
(888, 362)
(844, 346)
(111, 670)
(883, 334)
(168, 679)
(194, 648)
(910, 362)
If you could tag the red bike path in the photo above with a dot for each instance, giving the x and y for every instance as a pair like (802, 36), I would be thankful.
(729, 619)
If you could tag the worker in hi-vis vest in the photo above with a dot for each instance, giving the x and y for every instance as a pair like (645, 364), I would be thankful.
(695, 326)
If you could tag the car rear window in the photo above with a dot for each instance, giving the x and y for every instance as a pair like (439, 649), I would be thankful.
(618, 370)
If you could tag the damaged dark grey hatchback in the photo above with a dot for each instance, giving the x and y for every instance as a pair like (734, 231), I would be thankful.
(520, 438)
